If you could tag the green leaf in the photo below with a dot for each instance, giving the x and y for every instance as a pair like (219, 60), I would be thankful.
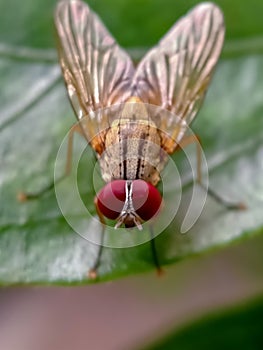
(237, 328)
(36, 243)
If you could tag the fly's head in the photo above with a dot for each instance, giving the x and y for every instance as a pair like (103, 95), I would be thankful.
(129, 202)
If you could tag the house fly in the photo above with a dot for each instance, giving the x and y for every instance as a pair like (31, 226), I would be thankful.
(132, 144)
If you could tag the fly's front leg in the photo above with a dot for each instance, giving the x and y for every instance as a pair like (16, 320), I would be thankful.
(154, 253)
(93, 271)
(24, 196)
(195, 139)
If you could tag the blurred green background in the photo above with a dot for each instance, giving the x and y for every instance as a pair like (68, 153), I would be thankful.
(133, 23)
(219, 263)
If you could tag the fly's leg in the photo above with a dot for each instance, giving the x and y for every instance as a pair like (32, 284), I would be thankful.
(195, 139)
(92, 274)
(159, 270)
(24, 196)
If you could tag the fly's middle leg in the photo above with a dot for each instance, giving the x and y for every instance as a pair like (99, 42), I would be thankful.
(227, 204)
(24, 196)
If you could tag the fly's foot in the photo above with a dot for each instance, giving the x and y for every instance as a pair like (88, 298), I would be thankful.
(160, 272)
(22, 197)
(241, 206)
(92, 274)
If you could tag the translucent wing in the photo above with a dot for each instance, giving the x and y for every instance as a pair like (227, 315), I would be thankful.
(176, 73)
(96, 70)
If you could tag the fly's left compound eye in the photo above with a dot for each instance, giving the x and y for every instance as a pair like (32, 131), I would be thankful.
(111, 199)
(146, 199)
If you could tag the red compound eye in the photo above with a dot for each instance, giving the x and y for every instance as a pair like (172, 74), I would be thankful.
(111, 199)
(146, 199)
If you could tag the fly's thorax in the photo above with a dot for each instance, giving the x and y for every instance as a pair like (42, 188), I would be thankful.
(132, 151)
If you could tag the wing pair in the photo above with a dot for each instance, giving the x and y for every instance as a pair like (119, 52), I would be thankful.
(174, 74)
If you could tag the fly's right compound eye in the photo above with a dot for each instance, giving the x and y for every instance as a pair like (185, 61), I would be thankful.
(146, 199)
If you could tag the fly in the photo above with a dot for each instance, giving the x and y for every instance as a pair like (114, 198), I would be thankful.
(99, 74)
